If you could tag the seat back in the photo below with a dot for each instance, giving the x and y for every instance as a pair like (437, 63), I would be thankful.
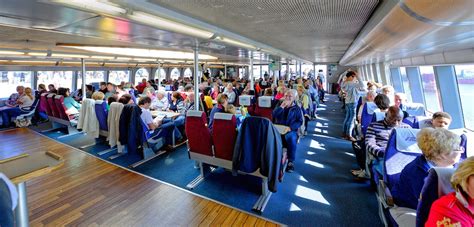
(52, 106)
(61, 108)
(199, 135)
(437, 184)
(245, 100)
(414, 109)
(367, 115)
(44, 106)
(132, 93)
(264, 107)
(224, 134)
(378, 116)
(401, 150)
(101, 113)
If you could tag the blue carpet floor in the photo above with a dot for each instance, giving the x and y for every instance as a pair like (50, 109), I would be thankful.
(320, 192)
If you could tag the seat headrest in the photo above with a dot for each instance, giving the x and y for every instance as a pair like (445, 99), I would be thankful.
(406, 140)
(379, 116)
(245, 100)
(423, 122)
(51, 95)
(223, 116)
(371, 107)
(44, 94)
(99, 101)
(444, 179)
(265, 101)
(194, 113)
(58, 97)
(414, 109)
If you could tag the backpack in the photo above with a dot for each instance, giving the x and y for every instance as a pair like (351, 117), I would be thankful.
(23, 122)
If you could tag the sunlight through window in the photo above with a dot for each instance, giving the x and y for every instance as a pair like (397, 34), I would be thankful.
(303, 179)
(313, 163)
(293, 207)
(353, 155)
(317, 145)
(310, 194)
(317, 130)
(311, 153)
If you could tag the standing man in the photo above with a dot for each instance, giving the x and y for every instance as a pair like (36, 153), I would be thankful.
(351, 87)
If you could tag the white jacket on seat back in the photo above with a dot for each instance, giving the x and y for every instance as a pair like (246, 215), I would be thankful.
(87, 118)
(113, 120)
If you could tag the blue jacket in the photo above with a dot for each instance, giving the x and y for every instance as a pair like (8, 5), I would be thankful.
(216, 109)
(130, 127)
(407, 192)
(291, 117)
(258, 145)
(6, 214)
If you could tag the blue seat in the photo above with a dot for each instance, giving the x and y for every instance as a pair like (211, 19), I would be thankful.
(437, 184)
(401, 150)
(414, 109)
(367, 114)
(29, 111)
(101, 113)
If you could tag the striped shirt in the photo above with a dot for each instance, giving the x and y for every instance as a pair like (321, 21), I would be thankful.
(377, 136)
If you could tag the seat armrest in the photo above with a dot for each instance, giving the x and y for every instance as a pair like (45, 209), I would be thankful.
(384, 194)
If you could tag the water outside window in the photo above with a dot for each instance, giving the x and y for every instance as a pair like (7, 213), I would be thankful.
(116, 77)
(406, 83)
(430, 90)
(140, 74)
(57, 78)
(91, 77)
(465, 77)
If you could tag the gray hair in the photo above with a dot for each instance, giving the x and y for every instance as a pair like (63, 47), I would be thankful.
(437, 142)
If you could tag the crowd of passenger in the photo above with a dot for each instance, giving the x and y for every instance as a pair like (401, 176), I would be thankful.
(439, 146)
(294, 104)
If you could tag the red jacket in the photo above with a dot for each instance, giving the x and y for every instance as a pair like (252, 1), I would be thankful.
(448, 211)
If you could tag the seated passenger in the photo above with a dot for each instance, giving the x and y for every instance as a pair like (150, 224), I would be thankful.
(110, 90)
(208, 98)
(400, 100)
(12, 100)
(140, 87)
(304, 102)
(42, 89)
(289, 114)
(98, 95)
(376, 139)
(229, 91)
(156, 126)
(126, 99)
(390, 93)
(456, 208)
(382, 102)
(280, 93)
(25, 100)
(215, 91)
(177, 103)
(161, 101)
(219, 108)
(72, 106)
(370, 97)
(52, 89)
(149, 88)
(103, 87)
(440, 148)
(441, 120)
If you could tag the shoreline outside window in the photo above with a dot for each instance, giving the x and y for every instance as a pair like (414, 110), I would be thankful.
(432, 98)
(140, 74)
(91, 77)
(406, 83)
(58, 78)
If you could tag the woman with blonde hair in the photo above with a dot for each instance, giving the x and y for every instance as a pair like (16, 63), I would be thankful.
(25, 100)
(440, 148)
(456, 208)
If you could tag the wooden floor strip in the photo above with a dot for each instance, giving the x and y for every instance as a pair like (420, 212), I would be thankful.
(87, 191)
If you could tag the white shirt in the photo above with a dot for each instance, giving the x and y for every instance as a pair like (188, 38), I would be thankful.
(160, 104)
(26, 101)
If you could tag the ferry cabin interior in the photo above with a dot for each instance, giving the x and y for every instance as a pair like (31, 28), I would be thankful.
(422, 48)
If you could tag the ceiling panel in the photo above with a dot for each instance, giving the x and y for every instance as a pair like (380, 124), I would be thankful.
(301, 27)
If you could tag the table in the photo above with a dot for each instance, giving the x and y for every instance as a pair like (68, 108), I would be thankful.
(167, 114)
(283, 129)
(22, 168)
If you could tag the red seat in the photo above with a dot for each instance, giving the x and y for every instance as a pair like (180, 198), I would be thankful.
(44, 106)
(199, 136)
(62, 110)
(52, 106)
(224, 134)
(264, 107)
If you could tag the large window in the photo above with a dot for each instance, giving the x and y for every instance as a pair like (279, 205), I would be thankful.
(161, 75)
(265, 70)
(256, 71)
(429, 89)
(188, 73)
(11, 79)
(119, 76)
(58, 78)
(91, 77)
(140, 74)
(406, 83)
(465, 76)
(175, 74)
